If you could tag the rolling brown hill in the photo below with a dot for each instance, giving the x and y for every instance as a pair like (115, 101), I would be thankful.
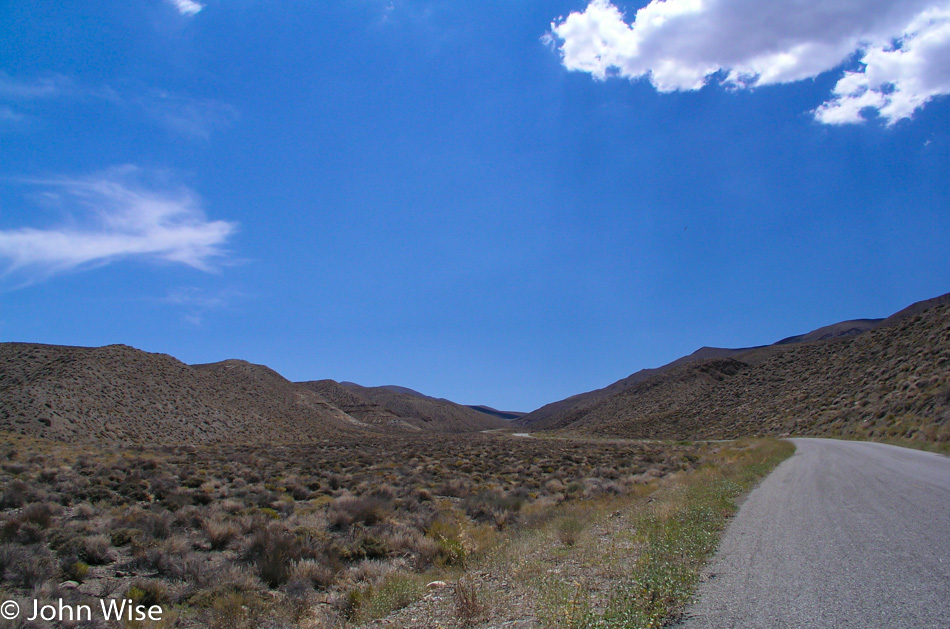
(426, 412)
(358, 407)
(556, 412)
(118, 394)
(890, 381)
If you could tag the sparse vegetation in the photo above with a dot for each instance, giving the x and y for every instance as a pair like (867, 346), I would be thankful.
(632, 561)
(314, 535)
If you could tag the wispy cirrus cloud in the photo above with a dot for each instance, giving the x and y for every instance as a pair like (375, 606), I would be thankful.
(119, 214)
(188, 116)
(187, 7)
(902, 49)
(197, 302)
(53, 86)
(182, 114)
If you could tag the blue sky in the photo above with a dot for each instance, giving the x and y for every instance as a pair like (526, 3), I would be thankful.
(503, 202)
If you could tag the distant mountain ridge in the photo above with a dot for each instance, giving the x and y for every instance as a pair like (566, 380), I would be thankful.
(890, 380)
(424, 411)
(119, 394)
(863, 377)
(541, 416)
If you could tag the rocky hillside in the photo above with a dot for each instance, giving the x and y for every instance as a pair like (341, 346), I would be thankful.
(358, 407)
(556, 413)
(427, 412)
(890, 381)
(118, 394)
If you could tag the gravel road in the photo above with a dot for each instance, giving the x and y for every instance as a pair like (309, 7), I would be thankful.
(843, 534)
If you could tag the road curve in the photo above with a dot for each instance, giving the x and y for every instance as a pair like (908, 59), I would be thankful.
(843, 534)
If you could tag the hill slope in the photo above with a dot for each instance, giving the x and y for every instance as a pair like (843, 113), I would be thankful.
(893, 380)
(118, 394)
(358, 407)
(555, 412)
(427, 412)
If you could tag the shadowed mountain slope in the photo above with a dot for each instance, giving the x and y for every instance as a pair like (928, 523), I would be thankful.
(118, 394)
(427, 412)
(556, 413)
(892, 380)
(506, 415)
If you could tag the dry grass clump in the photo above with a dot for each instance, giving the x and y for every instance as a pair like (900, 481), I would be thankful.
(314, 535)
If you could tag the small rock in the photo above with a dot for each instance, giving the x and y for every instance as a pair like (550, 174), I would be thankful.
(69, 585)
(436, 585)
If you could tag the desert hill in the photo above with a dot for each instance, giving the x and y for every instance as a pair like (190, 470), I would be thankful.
(118, 394)
(891, 380)
(556, 413)
(488, 410)
(358, 407)
(427, 412)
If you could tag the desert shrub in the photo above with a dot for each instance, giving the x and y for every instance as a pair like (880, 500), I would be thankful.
(348, 510)
(40, 514)
(234, 610)
(273, 550)
(494, 507)
(14, 494)
(84, 511)
(163, 557)
(454, 488)
(446, 530)
(220, 533)
(148, 592)
(9, 529)
(395, 592)
(568, 530)
(468, 608)
(97, 550)
(125, 536)
(312, 571)
(155, 524)
(27, 566)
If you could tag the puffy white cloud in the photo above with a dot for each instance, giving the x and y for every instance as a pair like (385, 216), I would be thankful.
(187, 7)
(113, 216)
(896, 81)
(902, 46)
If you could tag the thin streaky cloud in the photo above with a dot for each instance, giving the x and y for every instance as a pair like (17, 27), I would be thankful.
(188, 116)
(902, 48)
(114, 216)
(187, 7)
(197, 302)
(36, 88)
(181, 114)
(8, 114)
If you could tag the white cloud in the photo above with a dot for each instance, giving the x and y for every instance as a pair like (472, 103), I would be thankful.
(187, 7)
(903, 47)
(198, 302)
(180, 113)
(193, 117)
(40, 87)
(113, 216)
(896, 81)
(7, 114)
